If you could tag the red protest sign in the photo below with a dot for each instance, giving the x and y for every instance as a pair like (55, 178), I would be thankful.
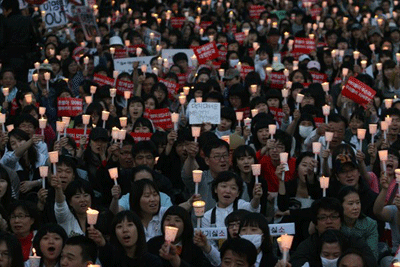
(318, 77)
(177, 23)
(222, 55)
(123, 86)
(230, 29)
(319, 121)
(337, 80)
(172, 87)
(160, 117)
(358, 91)
(315, 12)
(277, 113)
(69, 107)
(77, 133)
(141, 136)
(217, 64)
(240, 36)
(204, 24)
(255, 11)
(245, 70)
(278, 80)
(182, 77)
(206, 52)
(303, 45)
(103, 80)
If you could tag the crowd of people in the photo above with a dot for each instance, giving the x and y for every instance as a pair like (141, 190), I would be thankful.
(309, 112)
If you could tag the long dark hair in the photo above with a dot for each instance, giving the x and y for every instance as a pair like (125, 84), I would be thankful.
(32, 153)
(7, 198)
(14, 249)
(187, 234)
(347, 190)
(141, 246)
(138, 188)
(29, 208)
(242, 151)
(78, 186)
(258, 220)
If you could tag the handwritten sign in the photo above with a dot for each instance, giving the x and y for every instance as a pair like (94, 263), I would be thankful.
(137, 137)
(281, 229)
(69, 107)
(160, 117)
(204, 112)
(206, 52)
(55, 13)
(215, 233)
(358, 91)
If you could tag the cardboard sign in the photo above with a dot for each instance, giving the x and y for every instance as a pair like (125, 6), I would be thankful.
(69, 107)
(303, 45)
(55, 13)
(177, 23)
(77, 133)
(206, 52)
(358, 91)
(255, 11)
(215, 233)
(88, 22)
(245, 70)
(281, 229)
(172, 87)
(204, 112)
(169, 54)
(151, 38)
(159, 117)
(126, 64)
(278, 114)
(318, 77)
(141, 136)
(240, 36)
(278, 80)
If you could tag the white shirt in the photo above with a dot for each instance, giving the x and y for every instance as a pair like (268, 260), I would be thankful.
(258, 260)
(154, 227)
(67, 220)
(221, 213)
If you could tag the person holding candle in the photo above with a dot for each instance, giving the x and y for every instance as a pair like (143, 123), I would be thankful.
(11, 251)
(228, 122)
(23, 223)
(238, 97)
(357, 121)
(135, 110)
(304, 127)
(127, 246)
(48, 243)
(23, 156)
(254, 227)
(74, 75)
(354, 222)
(227, 189)
(7, 77)
(146, 82)
(389, 82)
(260, 130)
(143, 125)
(160, 92)
(242, 159)
(186, 252)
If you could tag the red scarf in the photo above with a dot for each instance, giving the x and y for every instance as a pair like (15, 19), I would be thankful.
(26, 244)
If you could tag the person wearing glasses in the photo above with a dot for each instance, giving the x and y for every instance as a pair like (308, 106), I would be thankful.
(216, 156)
(327, 213)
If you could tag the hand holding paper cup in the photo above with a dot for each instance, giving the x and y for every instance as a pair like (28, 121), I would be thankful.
(256, 169)
(197, 174)
(113, 174)
(284, 158)
(43, 171)
(324, 183)
(199, 209)
(92, 216)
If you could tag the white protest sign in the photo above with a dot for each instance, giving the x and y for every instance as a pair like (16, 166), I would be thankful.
(281, 229)
(151, 38)
(205, 112)
(88, 22)
(55, 13)
(30, 73)
(215, 233)
(126, 64)
(169, 54)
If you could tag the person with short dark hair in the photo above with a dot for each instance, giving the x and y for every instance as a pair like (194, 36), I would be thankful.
(79, 251)
(238, 252)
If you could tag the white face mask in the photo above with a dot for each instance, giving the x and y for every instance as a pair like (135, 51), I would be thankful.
(305, 131)
(255, 239)
(233, 62)
(329, 263)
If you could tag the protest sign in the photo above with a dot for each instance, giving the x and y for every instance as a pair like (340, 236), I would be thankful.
(246, 112)
(77, 133)
(277, 79)
(55, 13)
(172, 87)
(169, 54)
(123, 86)
(280, 13)
(177, 23)
(151, 37)
(277, 113)
(87, 21)
(215, 233)
(245, 70)
(103, 80)
(319, 121)
(318, 77)
(240, 36)
(303, 45)
(69, 107)
(137, 137)
(160, 117)
(126, 64)
(358, 91)
(182, 77)
(281, 229)
(206, 52)
(205, 24)
(205, 112)
(255, 11)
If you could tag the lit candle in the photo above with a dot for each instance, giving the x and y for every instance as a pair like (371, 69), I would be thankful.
(239, 117)
(10, 127)
(42, 124)
(28, 99)
(328, 138)
(325, 86)
(42, 111)
(113, 93)
(175, 119)
(121, 136)
(113, 174)
(299, 99)
(43, 171)
(54, 159)
(361, 135)
(138, 51)
(92, 216)
(85, 121)
(356, 55)
(345, 71)
(316, 147)
(170, 234)
(3, 121)
(285, 244)
(247, 122)
(127, 95)
(383, 156)
(88, 99)
(285, 94)
(104, 117)
(186, 90)
(123, 121)
(373, 128)
(34, 261)
(256, 169)
(384, 128)
(6, 92)
(388, 103)
(199, 209)
(284, 158)
(143, 68)
(221, 73)
(196, 132)
(60, 125)
(272, 130)
(226, 138)
(326, 111)
(197, 175)
(324, 183)
(253, 88)
(112, 51)
(114, 133)
(37, 66)
(254, 112)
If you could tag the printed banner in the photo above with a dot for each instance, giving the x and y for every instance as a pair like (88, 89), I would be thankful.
(159, 117)
(205, 112)
(278, 114)
(278, 80)
(77, 133)
(69, 107)
(172, 87)
(240, 36)
(358, 91)
(141, 136)
(303, 45)
(121, 85)
(215, 233)
(206, 52)
(245, 70)
(177, 23)
(281, 229)
(255, 11)
(319, 77)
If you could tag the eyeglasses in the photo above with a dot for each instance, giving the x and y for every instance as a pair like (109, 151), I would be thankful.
(332, 217)
(219, 157)
(19, 216)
